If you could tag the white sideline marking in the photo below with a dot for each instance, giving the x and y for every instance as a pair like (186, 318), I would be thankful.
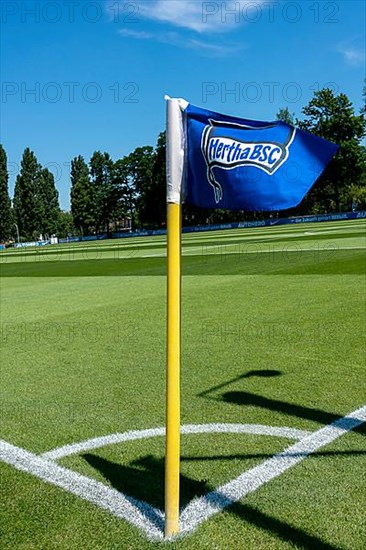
(138, 513)
(151, 520)
(202, 508)
(113, 439)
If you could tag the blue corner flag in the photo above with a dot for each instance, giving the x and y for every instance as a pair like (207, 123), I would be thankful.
(240, 164)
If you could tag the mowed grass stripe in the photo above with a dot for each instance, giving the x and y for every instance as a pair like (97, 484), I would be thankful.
(210, 262)
(118, 252)
(135, 243)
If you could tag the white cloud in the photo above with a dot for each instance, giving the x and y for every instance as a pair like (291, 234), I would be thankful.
(210, 49)
(197, 16)
(200, 16)
(141, 35)
(352, 56)
(174, 39)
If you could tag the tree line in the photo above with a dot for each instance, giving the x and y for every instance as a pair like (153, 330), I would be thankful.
(108, 195)
(34, 210)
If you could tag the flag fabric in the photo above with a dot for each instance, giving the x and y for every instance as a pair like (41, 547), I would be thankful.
(236, 164)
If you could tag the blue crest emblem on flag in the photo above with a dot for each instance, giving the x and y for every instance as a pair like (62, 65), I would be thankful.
(221, 150)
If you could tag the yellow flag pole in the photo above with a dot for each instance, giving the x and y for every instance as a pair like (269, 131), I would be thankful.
(175, 156)
(172, 459)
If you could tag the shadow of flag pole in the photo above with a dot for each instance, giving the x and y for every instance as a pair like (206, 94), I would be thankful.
(172, 453)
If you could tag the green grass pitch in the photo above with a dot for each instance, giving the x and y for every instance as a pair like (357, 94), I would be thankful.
(273, 332)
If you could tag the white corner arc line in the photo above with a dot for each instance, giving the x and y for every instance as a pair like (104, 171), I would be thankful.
(138, 513)
(103, 441)
(113, 439)
(202, 508)
(149, 519)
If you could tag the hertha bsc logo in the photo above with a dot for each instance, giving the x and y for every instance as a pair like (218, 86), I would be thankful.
(228, 146)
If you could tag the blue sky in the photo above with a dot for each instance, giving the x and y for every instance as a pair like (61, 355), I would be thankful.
(80, 76)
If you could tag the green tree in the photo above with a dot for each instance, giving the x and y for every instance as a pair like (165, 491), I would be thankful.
(355, 195)
(65, 224)
(285, 115)
(155, 197)
(82, 196)
(125, 203)
(139, 167)
(27, 204)
(101, 172)
(333, 118)
(6, 218)
(49, 205)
